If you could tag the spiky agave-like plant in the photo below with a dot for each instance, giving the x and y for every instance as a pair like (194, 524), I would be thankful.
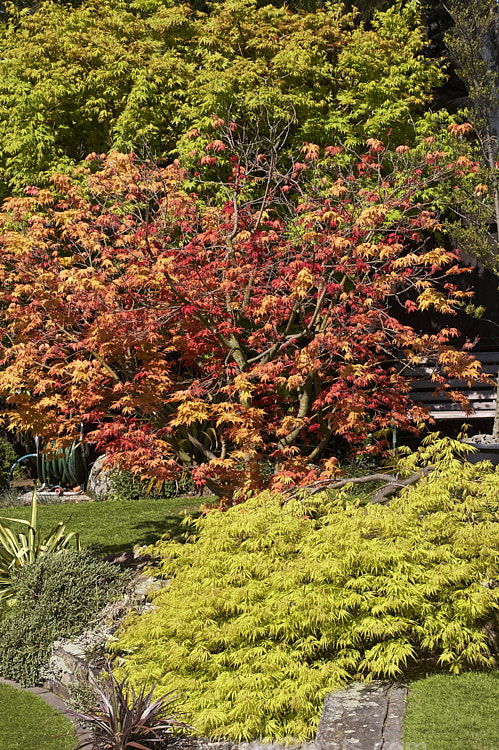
(20, 549)
(122, 719)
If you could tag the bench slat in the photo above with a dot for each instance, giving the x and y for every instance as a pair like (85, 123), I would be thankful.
(482, 396)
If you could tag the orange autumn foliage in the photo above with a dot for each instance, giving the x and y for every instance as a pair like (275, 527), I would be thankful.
(206, 335)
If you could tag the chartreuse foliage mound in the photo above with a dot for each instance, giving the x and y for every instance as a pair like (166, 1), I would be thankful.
(271, 605)
(108, 74)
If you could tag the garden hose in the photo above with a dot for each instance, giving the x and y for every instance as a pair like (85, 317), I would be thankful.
(68, 467)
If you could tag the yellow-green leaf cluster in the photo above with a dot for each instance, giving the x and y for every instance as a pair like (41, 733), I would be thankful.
(271, 605)
(119, 75)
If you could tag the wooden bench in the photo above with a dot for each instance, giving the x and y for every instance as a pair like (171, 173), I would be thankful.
(482, 397)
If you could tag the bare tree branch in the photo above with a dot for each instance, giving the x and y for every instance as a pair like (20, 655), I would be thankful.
(392, 484)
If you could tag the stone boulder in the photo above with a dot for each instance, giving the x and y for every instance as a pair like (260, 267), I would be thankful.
(100, 481)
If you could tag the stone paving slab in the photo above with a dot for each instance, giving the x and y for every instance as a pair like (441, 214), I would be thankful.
(55, 498)
(393, 730)
(364, 716)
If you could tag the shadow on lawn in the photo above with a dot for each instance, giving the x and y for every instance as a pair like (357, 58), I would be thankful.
(149, 531)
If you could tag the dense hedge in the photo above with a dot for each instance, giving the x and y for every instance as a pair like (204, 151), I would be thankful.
(273, 605)
(57, 596)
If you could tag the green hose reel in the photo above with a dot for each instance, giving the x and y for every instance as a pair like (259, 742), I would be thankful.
(67, 467)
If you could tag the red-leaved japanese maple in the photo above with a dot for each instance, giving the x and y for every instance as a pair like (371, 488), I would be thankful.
(207, 323)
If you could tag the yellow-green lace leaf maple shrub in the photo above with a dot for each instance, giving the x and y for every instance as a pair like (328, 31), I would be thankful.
(270, 606)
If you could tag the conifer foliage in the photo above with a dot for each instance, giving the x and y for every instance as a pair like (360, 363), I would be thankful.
(210, 333)
(271, 605)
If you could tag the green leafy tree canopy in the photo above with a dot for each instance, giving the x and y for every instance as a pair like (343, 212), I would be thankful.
(109, 74)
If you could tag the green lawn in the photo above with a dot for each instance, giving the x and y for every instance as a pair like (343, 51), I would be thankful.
(112, 526)
(447, 712)
(26, 723)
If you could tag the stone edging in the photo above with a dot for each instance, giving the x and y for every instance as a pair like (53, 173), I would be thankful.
(363, 716)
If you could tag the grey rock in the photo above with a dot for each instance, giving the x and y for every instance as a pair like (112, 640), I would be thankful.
(393, 728)
(100, 481)
(481, 439)
(67, 665)
(364, 716)
(257, 745)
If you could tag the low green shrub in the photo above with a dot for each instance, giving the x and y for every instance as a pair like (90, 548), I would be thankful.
(272, 605)
(56, 597)
(7, 458)
(127, 486)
